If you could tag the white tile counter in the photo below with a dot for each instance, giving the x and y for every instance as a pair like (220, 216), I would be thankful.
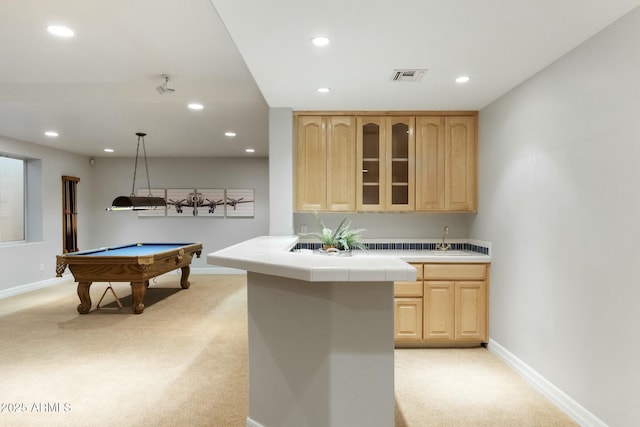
(272, 255)
(429, 256)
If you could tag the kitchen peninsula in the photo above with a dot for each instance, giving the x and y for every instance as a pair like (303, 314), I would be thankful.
(320, 333)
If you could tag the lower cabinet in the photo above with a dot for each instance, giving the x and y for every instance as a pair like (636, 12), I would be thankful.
(408, 318)
(446, 305)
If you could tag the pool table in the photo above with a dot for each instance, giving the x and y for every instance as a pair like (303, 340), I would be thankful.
(135, 263)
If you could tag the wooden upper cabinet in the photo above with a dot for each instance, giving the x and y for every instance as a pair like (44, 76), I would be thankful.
(325, 163)
(430, 163)
(446, 158)
(311, 170)
(460, 164)
(400, 169)
(386, 162)
(370, 149)
(341, 164)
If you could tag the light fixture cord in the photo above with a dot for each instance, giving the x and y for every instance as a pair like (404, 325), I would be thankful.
(135, 168)
(144, 150)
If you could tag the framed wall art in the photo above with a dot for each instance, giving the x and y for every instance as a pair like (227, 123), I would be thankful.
(240, 203)
(210, 202)
(196, 202)
(180, 202)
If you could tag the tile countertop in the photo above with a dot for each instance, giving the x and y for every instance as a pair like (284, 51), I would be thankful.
(272, 255)
(454, 256)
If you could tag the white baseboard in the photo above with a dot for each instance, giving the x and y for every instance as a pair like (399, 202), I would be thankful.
(216, 270)
(553, 393)
(17, 290)
(251, 423)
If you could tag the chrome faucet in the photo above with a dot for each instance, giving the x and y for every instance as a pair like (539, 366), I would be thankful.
(444, 246)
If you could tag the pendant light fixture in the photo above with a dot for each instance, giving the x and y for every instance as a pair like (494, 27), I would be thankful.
(133, 202)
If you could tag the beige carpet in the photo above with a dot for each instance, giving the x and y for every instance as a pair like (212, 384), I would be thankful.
(183, 363)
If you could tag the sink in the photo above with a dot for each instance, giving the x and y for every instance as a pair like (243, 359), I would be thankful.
(450, 253)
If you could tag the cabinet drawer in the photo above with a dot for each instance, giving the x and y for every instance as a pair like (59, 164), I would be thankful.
(407, 289)
(455, 271)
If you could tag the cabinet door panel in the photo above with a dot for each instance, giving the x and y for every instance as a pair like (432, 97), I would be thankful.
(341, 164)
(311, 170)
(370, 176)
(470, 310)
(430, 163)
(439, 313)
(407, 319)
(460, 158)
(400, 164)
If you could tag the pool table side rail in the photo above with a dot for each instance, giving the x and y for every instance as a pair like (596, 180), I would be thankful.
(125, 268)
(116, 248)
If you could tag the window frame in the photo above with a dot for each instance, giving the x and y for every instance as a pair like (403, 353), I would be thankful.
(25, 231)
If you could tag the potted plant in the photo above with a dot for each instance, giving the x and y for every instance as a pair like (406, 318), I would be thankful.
(343, 238)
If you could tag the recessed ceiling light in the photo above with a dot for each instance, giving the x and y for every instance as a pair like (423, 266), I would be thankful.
(250, 150)
(462, 79)
(60, 31)
(108, 150)
(230, 134)
(324, 90)
(195, 106)
(320, 41)
(51, 133)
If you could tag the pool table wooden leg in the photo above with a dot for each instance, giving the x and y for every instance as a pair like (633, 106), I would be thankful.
(184, 278)
(138, 291)
(85, 298)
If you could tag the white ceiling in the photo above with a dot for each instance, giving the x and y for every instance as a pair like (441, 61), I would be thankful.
(98, 88)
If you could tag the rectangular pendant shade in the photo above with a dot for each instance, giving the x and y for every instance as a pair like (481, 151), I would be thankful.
(124, 203)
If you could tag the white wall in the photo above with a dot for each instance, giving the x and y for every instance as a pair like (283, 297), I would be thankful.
(559, 175)
(20, 263)
(113, 177)
(281, 171)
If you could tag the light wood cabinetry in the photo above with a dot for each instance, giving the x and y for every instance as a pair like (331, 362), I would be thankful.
(439, 316)
(453, 305)
(446, 158)
(460, 164)
(471, 308)
(385, 177)
(408, 319)
(408, 308)
(325, 163)
(358, 161)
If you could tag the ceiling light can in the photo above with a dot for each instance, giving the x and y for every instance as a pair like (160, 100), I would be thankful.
(462, 79)
(321, 41)
(60, 31)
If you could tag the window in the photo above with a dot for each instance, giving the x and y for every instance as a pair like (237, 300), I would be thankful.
(12, 215)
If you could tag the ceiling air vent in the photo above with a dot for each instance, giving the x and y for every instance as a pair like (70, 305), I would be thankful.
(408, 75)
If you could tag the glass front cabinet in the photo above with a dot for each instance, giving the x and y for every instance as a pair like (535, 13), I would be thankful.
(386, 163)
